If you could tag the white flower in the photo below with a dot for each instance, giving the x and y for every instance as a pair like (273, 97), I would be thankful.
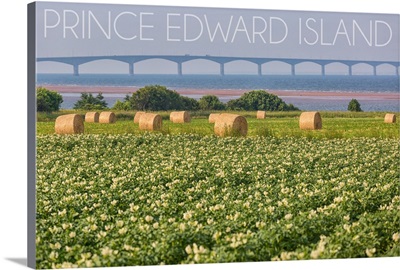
(315, 254)
(148, 218)
(217, 235)
(370, 252)
(396, 237)
(106, 251)
(72, 234)
(55, 246)
(197, 257)
(53, 255)
(187, 215)
(188, 249)
(122, 230)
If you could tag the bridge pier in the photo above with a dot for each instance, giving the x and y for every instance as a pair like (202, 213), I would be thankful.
(293, 70)
(259, 69)
(76, 70)
(131, 69)
(323, 70)
(374, 67)
(350, 71)
(179, 68)
(221, 69)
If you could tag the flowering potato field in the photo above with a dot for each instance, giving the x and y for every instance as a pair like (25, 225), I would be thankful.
(149, 199)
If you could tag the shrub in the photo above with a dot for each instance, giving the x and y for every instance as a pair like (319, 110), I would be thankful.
(89, 102)
(260, 100)
(47, 100)
(354, 106)
(122, 106)
(211, 102)
(159, 98)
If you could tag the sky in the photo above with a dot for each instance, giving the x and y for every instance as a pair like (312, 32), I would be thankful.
(65, 29)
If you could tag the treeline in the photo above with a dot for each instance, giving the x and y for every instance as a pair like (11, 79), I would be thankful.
(159, 98)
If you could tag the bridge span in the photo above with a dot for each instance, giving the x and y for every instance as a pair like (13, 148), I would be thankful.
(76, 61)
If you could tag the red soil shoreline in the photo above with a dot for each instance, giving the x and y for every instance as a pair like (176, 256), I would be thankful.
(227, 92)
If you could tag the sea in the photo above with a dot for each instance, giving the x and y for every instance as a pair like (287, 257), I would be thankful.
(310, 83)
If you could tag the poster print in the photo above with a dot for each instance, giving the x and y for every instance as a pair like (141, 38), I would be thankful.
(173, 135)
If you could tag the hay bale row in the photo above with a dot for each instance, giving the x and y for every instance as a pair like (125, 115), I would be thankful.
(227, 124)
(103, 117)
(180, 117)
(150, 121)
(69, 124)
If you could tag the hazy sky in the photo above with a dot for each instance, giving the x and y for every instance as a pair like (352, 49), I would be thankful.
(65, 29)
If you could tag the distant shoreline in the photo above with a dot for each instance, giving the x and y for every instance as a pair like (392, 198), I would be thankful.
(230, 92)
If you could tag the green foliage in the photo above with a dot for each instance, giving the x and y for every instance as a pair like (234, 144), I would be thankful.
(259, 100)
(159, 98)
(47, 100)
(89, 102)
(121, 106)
(211, 102)
(354, 106)
(189, 104)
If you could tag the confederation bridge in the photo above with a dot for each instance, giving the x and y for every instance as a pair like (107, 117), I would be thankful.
(76, 61)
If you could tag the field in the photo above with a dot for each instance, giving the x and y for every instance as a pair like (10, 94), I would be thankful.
(118, 196)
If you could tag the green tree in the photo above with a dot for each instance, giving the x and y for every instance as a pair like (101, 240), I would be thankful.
(89, 102)
(159, 98)
(189, 104)
(354, 106)
(121, 105)
(260, 100)
(47, 100)
(211, 102)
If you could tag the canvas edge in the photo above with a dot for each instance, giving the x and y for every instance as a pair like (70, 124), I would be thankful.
(31, 136)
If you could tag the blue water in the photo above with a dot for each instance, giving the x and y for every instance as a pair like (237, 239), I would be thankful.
(331, 83)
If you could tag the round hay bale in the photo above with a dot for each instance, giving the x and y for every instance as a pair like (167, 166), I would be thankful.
(179, 117)
(69, 124)
(92, 117)
(150, 121)
(212, 117)
(310, 121)
(390, 118)
(107, 117)
(137, 117)
(228, 124)
(260, 114)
